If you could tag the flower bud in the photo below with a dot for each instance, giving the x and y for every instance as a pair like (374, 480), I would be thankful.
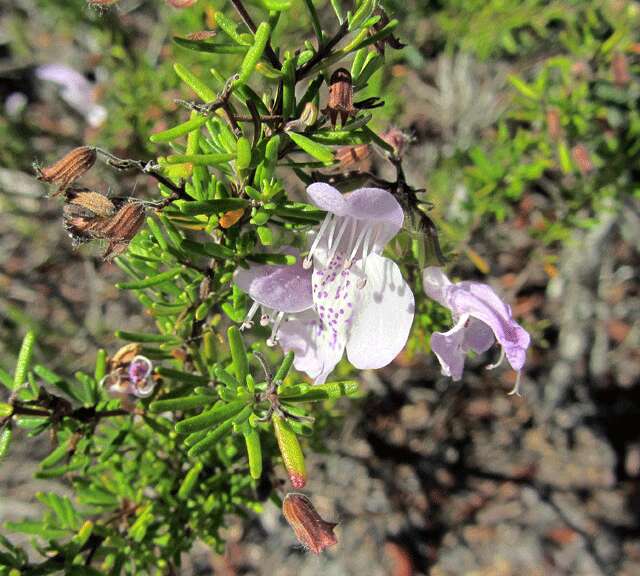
(314, 533)
(291, 451)
(69, 168)
(340, 97)
(309, 114)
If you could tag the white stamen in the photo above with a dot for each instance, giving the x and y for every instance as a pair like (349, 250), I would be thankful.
(496, 364)
(248, 320)
(306, 263)
(145, 391)
(336, 242)
(363, 233)
(332, 229)
(516, 387)
(264, 319)
(273, 339)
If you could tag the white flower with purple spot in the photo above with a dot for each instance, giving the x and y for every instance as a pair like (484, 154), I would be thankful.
(345, 294)
(481, 318)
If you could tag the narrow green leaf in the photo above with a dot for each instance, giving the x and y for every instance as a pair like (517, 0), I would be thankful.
(229, 27)
(6, 434)
(209, 207)
(200, 159)
(189, 481)
(254, 450)
(209, 47)
(182, 403)
(151, 280)
(186, 377)
(24, 359)
(243, 153)
(253, 55)
(238, 354)
(101, 365)
(211, 439)
(284, 368)
(318, 151)
(210, 417)
(198, 86)
(524, 88)
(141, 337)
(329, 391)
(179, 130)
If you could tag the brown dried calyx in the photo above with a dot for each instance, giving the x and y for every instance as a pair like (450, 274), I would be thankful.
(69, 168)
(391, 40)
(314, 533)
(93, 216)
(340, 101)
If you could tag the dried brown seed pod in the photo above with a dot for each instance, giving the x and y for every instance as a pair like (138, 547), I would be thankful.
(118, 229)
(95, 202)
(340, 101)
(69, 168)
(314, 533)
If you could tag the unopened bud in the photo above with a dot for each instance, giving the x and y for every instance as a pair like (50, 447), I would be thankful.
(309, 114)
(620, 69)
(69, 168)
(314, 533)
(553, 123)
(291, 451)
(340, 101)
(582, 159)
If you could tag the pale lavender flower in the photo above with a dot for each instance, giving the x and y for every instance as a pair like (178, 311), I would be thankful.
(481, 318)
(279, 290)
(76, 91)
(357, 301)
(131, 380)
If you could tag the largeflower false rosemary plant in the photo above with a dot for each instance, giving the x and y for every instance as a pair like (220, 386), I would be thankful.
(189, 439)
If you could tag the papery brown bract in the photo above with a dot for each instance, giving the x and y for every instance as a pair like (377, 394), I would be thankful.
(314, 533)
(340, 101)
(68, 169)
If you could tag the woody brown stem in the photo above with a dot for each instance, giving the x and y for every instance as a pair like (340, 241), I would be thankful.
(268, 51)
